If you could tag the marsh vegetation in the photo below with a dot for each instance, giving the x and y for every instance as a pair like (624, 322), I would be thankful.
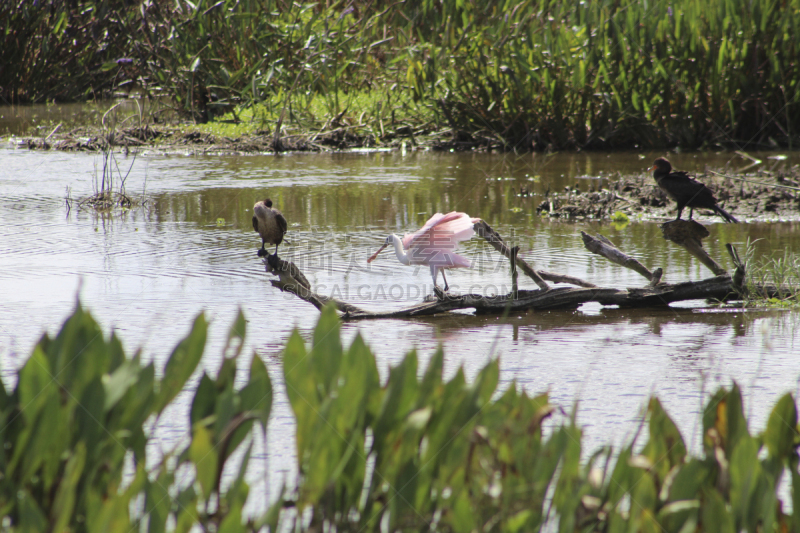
(506, 74)
(414, 451)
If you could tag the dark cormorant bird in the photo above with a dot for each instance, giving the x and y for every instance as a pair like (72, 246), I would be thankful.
(685, 190)
(270, 224)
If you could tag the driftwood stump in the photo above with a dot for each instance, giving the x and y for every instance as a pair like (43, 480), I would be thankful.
(690, 234)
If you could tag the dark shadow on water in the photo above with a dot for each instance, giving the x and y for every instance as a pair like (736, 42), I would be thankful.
(742, 321)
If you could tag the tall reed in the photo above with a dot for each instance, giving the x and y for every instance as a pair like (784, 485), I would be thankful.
(529, 73)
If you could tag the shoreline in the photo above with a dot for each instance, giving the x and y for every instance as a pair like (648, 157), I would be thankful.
(750, 195)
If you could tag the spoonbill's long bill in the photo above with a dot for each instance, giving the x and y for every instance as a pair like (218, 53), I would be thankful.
(270, 224)
(434, 244)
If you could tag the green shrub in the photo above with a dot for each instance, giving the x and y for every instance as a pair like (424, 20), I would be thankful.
(75, 432)
(421, 451)
(415, 453)
(530, 73)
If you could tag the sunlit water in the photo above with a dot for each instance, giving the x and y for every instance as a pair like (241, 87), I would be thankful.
(148, 271)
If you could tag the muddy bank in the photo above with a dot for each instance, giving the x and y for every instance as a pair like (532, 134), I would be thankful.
(756, 195)
(174, 139)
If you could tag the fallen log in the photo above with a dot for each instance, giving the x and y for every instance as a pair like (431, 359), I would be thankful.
(656, 294)
(719, 288)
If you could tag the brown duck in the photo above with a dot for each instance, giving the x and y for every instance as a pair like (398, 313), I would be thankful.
(270, 224)
(685, 190)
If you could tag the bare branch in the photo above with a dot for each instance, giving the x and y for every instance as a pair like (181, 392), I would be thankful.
(602, 246)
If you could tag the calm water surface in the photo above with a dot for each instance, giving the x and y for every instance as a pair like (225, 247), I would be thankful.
(191, 247)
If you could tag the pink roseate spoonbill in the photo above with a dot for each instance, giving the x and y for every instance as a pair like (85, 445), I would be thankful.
(270, 224)
(434, 244)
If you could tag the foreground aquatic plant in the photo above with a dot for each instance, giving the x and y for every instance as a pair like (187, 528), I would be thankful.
(76, 427)
(421, 452)
(417, 452)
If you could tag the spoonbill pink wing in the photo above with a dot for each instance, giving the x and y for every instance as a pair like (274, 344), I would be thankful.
(436, 241)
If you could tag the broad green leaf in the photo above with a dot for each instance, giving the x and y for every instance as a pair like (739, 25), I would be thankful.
(236, 336)
(116, 354)
(90, 417)
(724, 415)
(519, 522)
(688, 481)
(463, 519)
(78, 354)
(400, 396)
(301, 391)
(158, 502)
(643, 500)
(680, 515)
(746, 474)
(620, 481)
(360, 356)
(795, 478)
(665, 448)
(224, 411)
(205, 399)
(118, 382)
(226, 375)
(486, 382)
(402, 494)
(715, 517)
(35, 384)
(232, 523)
(61, 514)
(187, 515)
(109, 513)
(45, 441)
(566, 497)
(204, 457)
(736, 421)
(182, 363)
(781, 436)
(257, 394)
(128, 415)
(31, 517)
(326, 353)
(712, 410)
(432, 378)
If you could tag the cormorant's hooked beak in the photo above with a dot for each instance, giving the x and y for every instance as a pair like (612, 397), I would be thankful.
(371, 259)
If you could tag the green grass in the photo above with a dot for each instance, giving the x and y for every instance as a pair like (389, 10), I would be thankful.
(362, 112)
(779, 269)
